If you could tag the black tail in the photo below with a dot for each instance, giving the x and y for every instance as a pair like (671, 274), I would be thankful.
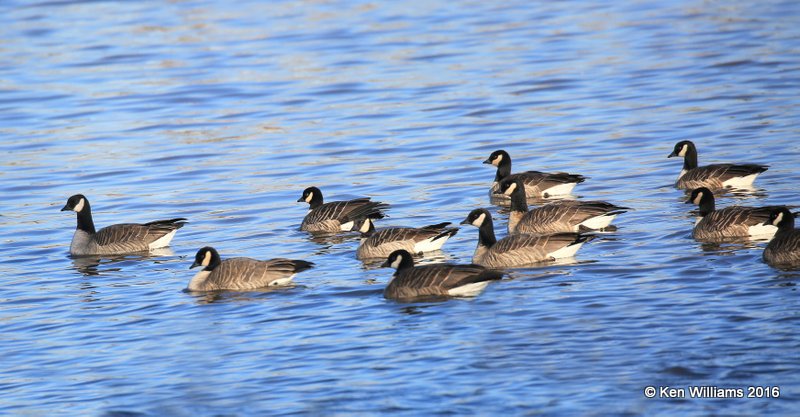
(446, 233)
(487, 275)
(437, 226)
(300, 266)
(169, 224)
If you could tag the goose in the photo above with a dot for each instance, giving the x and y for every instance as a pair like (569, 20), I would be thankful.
(556, 217)
(120, 238)
(729, 222)
(241, 274)
(783, 250)
(336, 216)
(537, 184)
(519, 250)
(436, 280)
(714, 176)
(381, 243)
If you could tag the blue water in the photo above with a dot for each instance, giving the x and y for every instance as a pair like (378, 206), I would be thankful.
(223, 112)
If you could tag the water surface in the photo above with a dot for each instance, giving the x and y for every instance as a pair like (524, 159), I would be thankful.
(223, 113)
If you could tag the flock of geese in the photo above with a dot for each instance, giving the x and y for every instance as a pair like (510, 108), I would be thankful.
(552, 231)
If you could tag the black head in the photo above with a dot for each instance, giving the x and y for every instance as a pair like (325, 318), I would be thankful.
(363, 225)
(310, 195)
(477, 217)
(509, 186)
(399, 259)
(700, 195)
(497, 157)
(206, 257)
(76, 203)
(682, 148)
(782, 218)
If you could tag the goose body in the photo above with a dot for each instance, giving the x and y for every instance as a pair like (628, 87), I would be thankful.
(381, 243)
(783, 250)
(714, 176)
(520, 249)
(556, 217)
(730, 222)
(337, 216)
(117, 239)
(537, 184)
(437, 280)
(241, 274)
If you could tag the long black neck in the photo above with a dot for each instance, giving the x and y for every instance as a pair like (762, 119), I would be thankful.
(707, 205)
(503, 169)
(787, 223)
(406, 262)
(518, 200)
(690, 159)
(316, 199)
(85, 222)
(486, 233)
(215, 261)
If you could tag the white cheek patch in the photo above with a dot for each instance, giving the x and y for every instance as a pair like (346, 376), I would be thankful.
(778, 219)
(79, 206)
(479, 221)
(365, 225)
(396, 263)
(683, 150)
(511, 188)
(206, 259)
(698, 198)
(497, 160)
(309, 197)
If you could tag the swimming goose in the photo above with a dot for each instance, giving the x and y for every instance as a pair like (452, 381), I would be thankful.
(519, 250)
(714, 176)
(117, 239)
(436, 280)
(241, 274)
(537, 184)
(730, 222)
(556, 217)
(380, 243)
(337, 216)
(783, 250)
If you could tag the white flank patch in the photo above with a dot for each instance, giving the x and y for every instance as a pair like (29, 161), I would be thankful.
(198, 279)
(469, 290)
(346, 227)
(561, 189)
(164, 241)
(740, 182)
(282, 281)
(566, 251)
(598, 222)
(762, 231)
(429, 244)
